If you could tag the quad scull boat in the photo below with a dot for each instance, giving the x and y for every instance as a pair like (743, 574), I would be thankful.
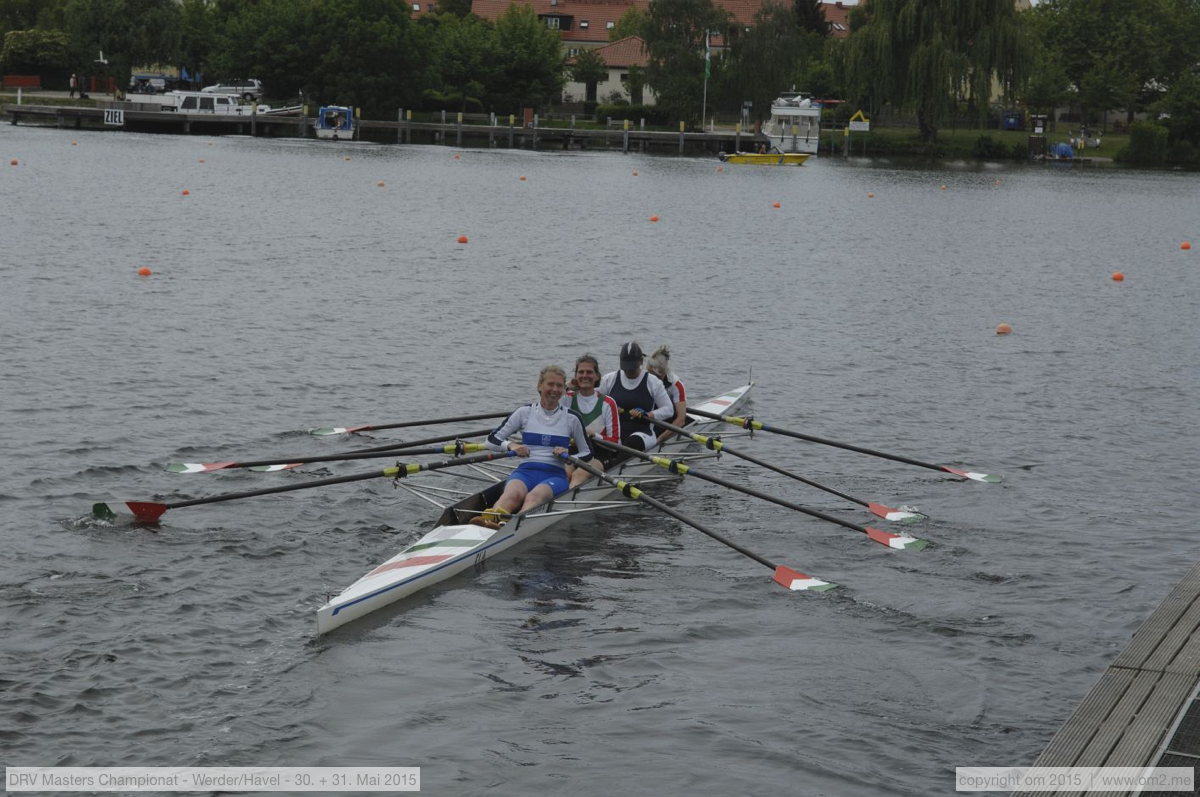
(455, 545)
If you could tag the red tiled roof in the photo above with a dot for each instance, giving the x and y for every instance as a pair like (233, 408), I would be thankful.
(837, 14)
(598, 14)
(630, 51)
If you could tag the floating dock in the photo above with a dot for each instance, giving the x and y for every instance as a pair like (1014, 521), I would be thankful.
(1144, 711)
(401, 131)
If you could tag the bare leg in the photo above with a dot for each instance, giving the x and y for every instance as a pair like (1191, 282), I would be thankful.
(537, 496)
(513, 495)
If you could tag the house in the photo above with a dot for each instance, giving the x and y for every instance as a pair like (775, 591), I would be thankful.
(619, 56)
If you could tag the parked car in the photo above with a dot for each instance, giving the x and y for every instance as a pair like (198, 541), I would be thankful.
(246, 89)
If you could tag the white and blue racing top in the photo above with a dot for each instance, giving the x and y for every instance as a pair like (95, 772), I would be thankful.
(541, 431)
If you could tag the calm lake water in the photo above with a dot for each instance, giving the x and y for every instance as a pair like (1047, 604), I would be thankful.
(621, 654)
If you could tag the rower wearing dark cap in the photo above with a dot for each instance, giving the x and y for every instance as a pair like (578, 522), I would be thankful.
(639, 394)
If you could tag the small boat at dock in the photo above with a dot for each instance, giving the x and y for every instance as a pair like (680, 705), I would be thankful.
(335, 123)
(767, 158)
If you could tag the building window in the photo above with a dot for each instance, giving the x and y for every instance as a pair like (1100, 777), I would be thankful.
(552, 23)
(429, 7)
(610, 25)
(838, 26)
(416, 6)
(583, 23)
(572, 52)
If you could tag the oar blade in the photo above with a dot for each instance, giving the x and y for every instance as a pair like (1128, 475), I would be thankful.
(973, 475)
(273, 468)
(797, 581)
(198, 467)
(328, 430)
(135, 511)
(894, 515)
(899, 541)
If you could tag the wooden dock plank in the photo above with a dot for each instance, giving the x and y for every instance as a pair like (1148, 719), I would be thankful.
(1180, 605)
(1076, 733)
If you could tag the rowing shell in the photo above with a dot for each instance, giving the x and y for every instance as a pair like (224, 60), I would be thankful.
(454, 545)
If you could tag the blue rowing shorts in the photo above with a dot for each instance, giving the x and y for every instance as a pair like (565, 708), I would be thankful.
(534, 473)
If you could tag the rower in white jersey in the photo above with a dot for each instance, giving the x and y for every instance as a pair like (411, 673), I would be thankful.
(547, 430)
(596, 411)
(639, 394)
(659, 364)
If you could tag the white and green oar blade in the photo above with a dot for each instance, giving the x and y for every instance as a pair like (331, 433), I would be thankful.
(328, 430)
(198, 467)
(900, 541)
(273, 468)
(973, 475)
(797, 581)
(894, 515)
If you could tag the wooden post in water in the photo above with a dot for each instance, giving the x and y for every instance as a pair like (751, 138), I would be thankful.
(511, 120)
(625, 137)
(399, 125)
(300, 121)
(254, 120)
(492, 131)
(408, 126)
(737, 137)
(535, 131)
(681, 126)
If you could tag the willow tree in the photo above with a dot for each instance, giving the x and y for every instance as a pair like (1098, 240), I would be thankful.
(928, 53)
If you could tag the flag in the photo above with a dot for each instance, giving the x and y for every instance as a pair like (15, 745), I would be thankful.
(707, 57)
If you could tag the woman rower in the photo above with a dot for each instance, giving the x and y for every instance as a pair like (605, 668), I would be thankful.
(547, 429)
(659, 364)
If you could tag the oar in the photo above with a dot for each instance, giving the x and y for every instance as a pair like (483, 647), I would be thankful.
(358, 453)
(326, 430)
(266, 465)
(877, 509)
(784, 575)
(150, 512)
(901, 541)
(750, 423)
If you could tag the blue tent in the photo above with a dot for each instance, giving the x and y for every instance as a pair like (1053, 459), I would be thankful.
(1062, 151)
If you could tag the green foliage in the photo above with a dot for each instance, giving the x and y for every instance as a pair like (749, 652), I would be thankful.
(810, 16)
(465, 57)
(675, 41)
(30, 14)
(35, 51)
(532, 68)
(129, 32)
(588, 68)
(633, 22)
(988, 148)
(930, 53)
(1147, 144)
(767, 59)
(455, 8)
(1182, 106)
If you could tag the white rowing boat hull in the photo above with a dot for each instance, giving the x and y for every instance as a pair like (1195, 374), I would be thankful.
(451, 549)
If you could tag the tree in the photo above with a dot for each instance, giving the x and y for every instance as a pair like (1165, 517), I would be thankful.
(923, 53)
(466, 58)
(129, 32)
(457, 8)
(676, 38)
(632, 23)
(589, 69)
(810, 16)
(768, 59)
(1181, 104)
(35, 51)
(531, 69)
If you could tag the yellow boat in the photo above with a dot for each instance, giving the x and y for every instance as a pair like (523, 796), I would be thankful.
(767, 159)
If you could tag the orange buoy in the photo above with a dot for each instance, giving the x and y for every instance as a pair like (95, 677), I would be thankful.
(200, 161)
(346, 158)
(776, 205)
(1118, 276)
(654, 218)
(1003, 329)
(144, 272)
(521, 178)
(74, 143)
(635, 174)
(456, 156)
(462, 239)
(185, 192)
(1184, 245)
(380, 183)
(870, 195)
(720, 168)
(12, 162)
(943, 188)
